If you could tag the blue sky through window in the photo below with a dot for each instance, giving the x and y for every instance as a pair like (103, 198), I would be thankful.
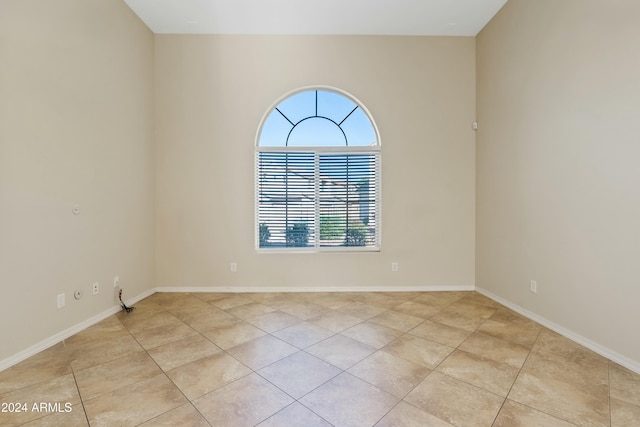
(317, 118)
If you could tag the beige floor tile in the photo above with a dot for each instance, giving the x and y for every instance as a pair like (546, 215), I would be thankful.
(588, 375)
(390, 373)
(134, 404)
(550, 342)
(294, 415)
(514, 414)
(553, 385)
(137, 322)
(76, 418)
(185, 310)
(111, 327)
(373, 334)
(181, 352)
(274, 321)
(166, 298)
(208, 318)
(214, 296)
(406, 415)
(245, 402)
(229, 336)
(624, 414)
(302, 310)
(262, 351)
(439, 299)
(478, 298)
(418, 350)
(51, 363)
(341, 351)
(104, 351)
(183, 416)
(335, 321)
(440, 333)
(396, 320)
(417, 309)
(299, 373)
(523, 335)
(60, 390)
(303, 334)
(360, 310)
(104, 378)
(560, 382)
(495, 349)
(464, 315)
(207, 374)
(267, 298)
(154, 337)
(332, 300)
(625, 384)
(384, 300)
(250, 310)
(349, 402)
(230, 300)
(479, 371)
(183, 303)
(456, 402)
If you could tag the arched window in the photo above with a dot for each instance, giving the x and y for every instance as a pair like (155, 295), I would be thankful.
(318, 174)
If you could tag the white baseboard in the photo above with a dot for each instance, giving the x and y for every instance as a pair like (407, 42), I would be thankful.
(266, 289)
(55, 339)
(591, 345)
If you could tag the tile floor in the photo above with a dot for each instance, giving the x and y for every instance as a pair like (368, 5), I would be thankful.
(320, 359)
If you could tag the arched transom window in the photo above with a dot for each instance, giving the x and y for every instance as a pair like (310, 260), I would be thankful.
(318, 174)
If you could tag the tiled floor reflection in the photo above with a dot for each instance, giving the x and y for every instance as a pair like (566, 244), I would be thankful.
(320, 359)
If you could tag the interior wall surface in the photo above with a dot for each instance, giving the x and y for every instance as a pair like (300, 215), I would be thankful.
(76, 130)
(211, 95)
(558, 198)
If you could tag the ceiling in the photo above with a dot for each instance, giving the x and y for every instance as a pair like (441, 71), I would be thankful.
(366, 17)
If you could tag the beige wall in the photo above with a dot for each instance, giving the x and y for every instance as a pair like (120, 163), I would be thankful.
(211, 93)
(558, 182)
(76, 127)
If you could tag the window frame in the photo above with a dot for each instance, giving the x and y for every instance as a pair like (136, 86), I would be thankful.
(320, 150)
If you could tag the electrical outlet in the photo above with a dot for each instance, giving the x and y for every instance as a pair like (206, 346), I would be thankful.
(96, 288)
(533, 286)
(234, 267)
(116, 281)
(394, 266)
(61, 301)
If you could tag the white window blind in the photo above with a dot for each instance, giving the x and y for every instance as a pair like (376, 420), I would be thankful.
(318, 200)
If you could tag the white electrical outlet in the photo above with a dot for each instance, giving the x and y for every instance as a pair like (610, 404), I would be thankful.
(234, 267)
(533, 286)
(61, 301)
(116, 281)
(95, 288)
(394, 266)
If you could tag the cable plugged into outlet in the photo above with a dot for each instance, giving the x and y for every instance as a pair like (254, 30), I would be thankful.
(95, 288)
(116, 281)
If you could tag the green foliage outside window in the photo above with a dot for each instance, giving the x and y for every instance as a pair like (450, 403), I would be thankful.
(356, 236)
(298, 235)
(331, 227)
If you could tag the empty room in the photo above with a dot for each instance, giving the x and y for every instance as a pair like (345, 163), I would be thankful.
(336, 213)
